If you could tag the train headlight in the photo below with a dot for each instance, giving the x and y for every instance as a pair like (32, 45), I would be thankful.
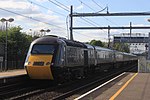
(29, 63)
(48, 63)
(26, 63)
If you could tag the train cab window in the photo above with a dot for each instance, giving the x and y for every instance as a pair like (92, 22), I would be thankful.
(43, 49)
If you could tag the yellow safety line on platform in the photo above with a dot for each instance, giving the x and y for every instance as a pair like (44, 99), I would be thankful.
(123, 87)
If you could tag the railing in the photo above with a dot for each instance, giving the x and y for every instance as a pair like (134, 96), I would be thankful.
(12, 65)
(143, 65)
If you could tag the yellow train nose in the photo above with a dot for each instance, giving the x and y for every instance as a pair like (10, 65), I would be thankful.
(39, 67)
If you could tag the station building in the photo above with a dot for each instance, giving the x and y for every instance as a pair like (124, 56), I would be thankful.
(138, 42)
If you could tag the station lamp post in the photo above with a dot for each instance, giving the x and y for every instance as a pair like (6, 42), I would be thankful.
(148, 43)
(42, 30)
(6, 20)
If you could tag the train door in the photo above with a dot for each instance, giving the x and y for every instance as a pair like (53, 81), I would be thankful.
(85, 57)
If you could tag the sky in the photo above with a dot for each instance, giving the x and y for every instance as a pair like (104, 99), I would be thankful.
(34, 15)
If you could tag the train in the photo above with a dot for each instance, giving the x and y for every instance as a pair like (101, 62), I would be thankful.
(57, 58)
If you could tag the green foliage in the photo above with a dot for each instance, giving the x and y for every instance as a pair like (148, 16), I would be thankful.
(18, 43)
(123, 47)
(97, 43)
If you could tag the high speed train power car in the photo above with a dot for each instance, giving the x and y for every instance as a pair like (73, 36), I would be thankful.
(53, 58)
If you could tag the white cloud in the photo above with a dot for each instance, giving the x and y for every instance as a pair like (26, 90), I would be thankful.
(27, 9)
(79, 7)
(13, 5)
(19, 6)
(88, 35)
(41, 0)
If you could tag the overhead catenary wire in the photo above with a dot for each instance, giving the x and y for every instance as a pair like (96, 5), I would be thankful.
(63, 15)
(62, 4)
(102, 9)
(59, 5)
(87, 20)
(84, 35)
(25, 16)
(31, 18)
(86, 5)
(97, 4)
(95, 23)
(53, 11)
(98, 11)
(46, 8)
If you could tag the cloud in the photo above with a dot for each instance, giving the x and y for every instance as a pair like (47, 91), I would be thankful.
(79, 7)
(19, 6)
(88, 35)
(13, 5)
(30, 10)
(41, 0)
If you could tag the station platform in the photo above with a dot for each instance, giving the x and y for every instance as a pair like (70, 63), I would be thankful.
(134, 86)
(11, 73)
(131, 86)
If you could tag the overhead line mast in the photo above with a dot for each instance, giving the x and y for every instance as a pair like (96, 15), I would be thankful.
(105, 14)
(71, 23)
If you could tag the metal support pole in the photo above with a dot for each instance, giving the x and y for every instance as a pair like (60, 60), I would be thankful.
(6, 47)
(108, 36)
(6, 20)
(71, 23)
(130, 31)
(149, 47)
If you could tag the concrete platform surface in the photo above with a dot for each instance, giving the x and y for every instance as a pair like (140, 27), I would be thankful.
(13, 73)
(137, 89)
(131, 86)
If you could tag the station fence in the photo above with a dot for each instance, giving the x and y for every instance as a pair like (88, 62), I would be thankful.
(11, 65)
(143, 65)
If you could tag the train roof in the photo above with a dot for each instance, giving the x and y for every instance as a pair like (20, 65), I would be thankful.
(48, 40)
(58, 40)
(74, 43)
(101, 48)
(130, 54)
(89, 46)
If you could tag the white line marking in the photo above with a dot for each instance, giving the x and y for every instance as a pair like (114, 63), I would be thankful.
(87, 93)
(120, 83)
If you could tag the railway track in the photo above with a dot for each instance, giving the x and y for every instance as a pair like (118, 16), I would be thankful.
(13, 90)
(87, 87)
(63, 91)
(54, 86)
(37, 90)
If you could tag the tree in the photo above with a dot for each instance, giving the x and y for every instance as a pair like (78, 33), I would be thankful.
(122, 47)
(97, 43)
(18, 44)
